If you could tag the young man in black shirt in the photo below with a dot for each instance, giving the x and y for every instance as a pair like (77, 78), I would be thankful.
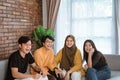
(19, 60)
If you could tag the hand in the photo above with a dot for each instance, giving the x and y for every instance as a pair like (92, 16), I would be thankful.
(37, 76)
(67, 76)
(59, 72)
(43, 73)
(85, 66)
(91, 51)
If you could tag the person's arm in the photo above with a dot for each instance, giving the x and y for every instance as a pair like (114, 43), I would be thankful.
(51, 65)
(67, 76)
(37, 58)
(93, 58)
(35, 68)
(58, 58)
(19, 75)
(96, 58)
(89, 61)
(40, 62)
(77, 62)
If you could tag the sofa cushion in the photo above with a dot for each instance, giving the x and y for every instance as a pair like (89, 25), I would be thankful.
(115, 73)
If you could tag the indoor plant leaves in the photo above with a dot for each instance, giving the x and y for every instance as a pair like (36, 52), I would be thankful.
(39, 32)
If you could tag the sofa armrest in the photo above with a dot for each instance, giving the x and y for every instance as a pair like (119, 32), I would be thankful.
(3, 68)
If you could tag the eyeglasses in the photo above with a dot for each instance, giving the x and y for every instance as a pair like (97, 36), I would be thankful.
(49, 42)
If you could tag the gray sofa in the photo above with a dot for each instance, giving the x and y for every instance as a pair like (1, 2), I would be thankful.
(3, 67)
(113, 62)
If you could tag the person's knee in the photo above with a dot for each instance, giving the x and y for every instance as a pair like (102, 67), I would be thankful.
(89, 70)
(76, 76)
(91, 74)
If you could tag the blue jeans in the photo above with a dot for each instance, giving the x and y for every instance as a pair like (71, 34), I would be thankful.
(102, 74)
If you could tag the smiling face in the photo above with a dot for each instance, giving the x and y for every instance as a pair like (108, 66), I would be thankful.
(48, 44)
(69, 42)
(25, 47)
(88, 47)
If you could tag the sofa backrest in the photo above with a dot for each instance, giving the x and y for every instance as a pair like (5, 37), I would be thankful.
(113, 61)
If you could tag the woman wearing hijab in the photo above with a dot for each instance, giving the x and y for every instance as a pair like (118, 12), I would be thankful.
(70, 60)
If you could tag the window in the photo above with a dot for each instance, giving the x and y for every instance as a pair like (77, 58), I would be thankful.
(89, 19)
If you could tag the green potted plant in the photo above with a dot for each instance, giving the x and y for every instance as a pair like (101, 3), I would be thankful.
(39, 32)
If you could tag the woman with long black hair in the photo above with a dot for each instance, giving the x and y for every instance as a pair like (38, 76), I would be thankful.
(96, 67)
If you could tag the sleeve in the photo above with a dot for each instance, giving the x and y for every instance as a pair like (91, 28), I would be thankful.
(96, 59)
(37, 58)
(13, 61)
(51, 65)
(58, 58)
(37, 61)
(77, 62)
(31, 59)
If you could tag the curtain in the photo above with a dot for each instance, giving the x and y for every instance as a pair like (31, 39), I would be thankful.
(52, 11)
(119, 25)
(116, 20)
(90, 19)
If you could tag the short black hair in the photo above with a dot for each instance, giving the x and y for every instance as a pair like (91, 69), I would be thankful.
(45, 37)
(23, 39)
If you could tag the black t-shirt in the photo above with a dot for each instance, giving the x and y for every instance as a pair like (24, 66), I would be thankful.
(17, 61)
(98, 60)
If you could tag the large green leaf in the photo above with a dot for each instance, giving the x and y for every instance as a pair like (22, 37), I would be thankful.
(49, 32)
(41, 30)
(35, 36)
(38, 33)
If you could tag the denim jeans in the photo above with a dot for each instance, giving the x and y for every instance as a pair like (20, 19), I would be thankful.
(101, 74)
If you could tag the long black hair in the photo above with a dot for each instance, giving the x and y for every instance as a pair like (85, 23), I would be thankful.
(84, 52)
